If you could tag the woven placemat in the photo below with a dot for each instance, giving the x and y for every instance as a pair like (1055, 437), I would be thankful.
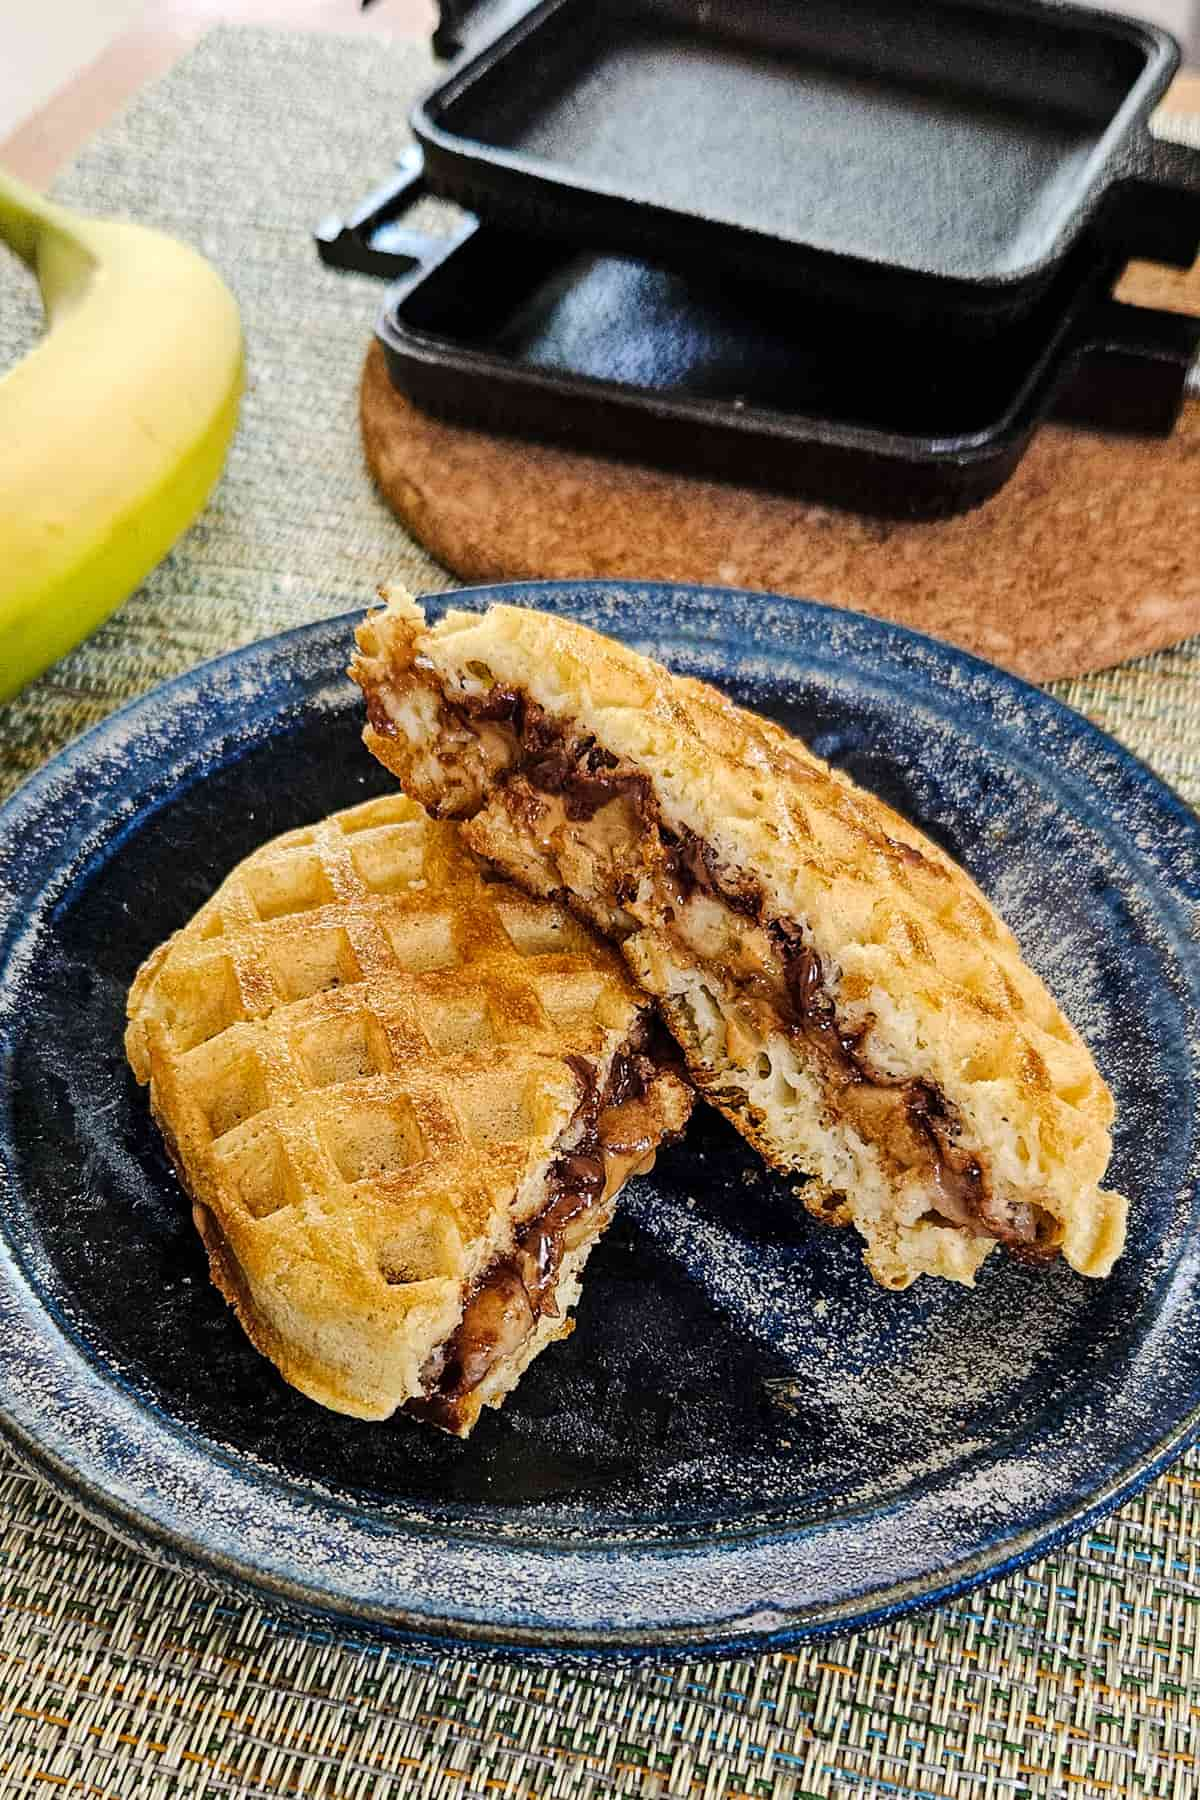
(1077, 1678)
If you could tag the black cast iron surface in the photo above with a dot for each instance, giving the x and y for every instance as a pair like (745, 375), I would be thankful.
(933, 160)
(612, 355)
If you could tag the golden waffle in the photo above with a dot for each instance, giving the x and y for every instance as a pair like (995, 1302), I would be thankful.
(368, 1059)
(841, 989)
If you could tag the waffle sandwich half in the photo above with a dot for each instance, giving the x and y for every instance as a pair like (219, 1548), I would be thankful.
(841, 989)
(402, 1097)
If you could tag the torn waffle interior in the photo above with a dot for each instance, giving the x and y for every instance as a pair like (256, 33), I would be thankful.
(742, 984)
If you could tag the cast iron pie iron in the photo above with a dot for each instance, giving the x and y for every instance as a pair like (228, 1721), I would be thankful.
(930, 162)
(521, 335)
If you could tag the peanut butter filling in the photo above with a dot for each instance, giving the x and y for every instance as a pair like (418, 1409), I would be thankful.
(615, 1136)
(592, 826)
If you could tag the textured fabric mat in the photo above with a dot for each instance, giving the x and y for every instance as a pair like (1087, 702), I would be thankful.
(1078, 1677)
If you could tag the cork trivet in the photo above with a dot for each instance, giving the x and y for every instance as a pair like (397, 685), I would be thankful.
(1089, 555)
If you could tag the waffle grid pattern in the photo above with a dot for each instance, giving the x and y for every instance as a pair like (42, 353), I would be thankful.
(1078, 1679)
(359, 1043)
(898, 904)
(928, 974)
(321, 968)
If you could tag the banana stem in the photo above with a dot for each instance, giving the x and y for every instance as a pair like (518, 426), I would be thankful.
(24, 216)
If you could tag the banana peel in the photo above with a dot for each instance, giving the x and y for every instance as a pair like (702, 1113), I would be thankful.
(113, 430)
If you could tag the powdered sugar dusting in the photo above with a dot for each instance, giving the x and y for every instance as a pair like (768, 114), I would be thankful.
(805, 1446)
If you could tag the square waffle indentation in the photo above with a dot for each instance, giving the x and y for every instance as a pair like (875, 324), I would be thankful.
(389, 858)
(203, 1000)
(228, 1082)
(312, 962)
(462, 1023)
(336, 1050)
(537, 931)
(421, 1245)
(577, 995)
(293, 882)
(373, 1141)
(260, 1174)
(494, 1109)
(423, 944)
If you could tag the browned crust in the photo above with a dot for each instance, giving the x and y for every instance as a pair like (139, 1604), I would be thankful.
(873, 894)
(227, 1276)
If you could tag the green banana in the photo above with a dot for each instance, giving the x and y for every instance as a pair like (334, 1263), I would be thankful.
(113, 430)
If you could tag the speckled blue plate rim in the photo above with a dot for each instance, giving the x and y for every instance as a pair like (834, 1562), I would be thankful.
(132, 1471)
(311, 1614)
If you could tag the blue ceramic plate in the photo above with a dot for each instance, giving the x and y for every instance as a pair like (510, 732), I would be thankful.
(746, 1440)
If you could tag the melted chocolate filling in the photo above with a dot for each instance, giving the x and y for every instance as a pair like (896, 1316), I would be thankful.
(582, 774)
(553, 760)
(693, 865)
(517, 1290)
(378, 716)
(958, 1176)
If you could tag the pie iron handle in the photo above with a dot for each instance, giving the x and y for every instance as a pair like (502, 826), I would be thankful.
(1153, 209)
(372, 240)
(1128, 369)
